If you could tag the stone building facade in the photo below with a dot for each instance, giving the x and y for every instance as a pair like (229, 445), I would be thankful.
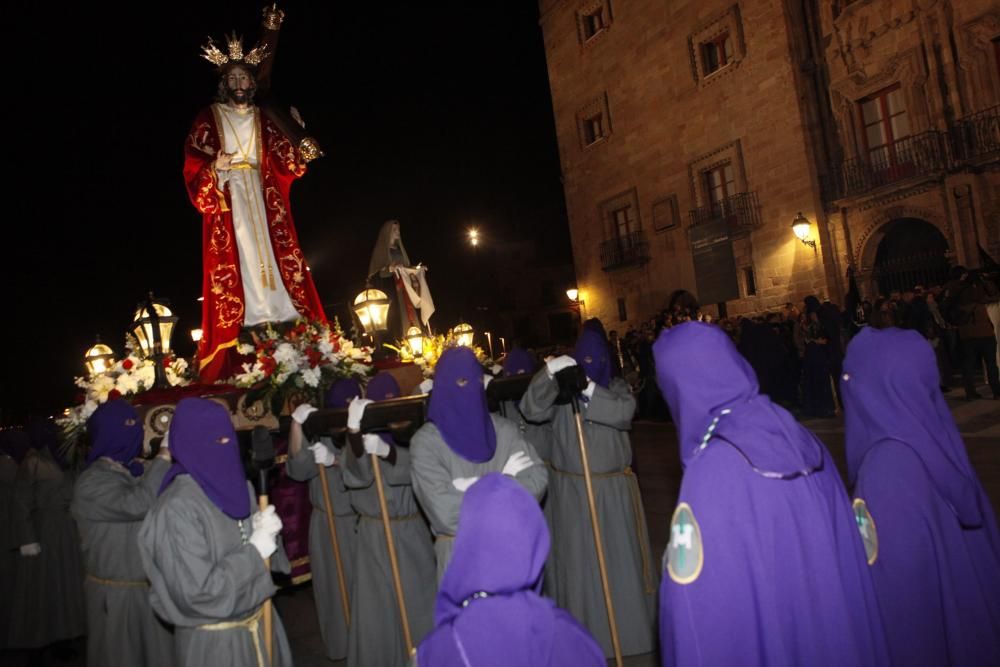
(693, 134)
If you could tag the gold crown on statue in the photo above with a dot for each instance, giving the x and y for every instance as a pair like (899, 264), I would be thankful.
(234, 44)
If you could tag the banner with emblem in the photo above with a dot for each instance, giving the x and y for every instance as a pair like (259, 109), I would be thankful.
(415, 282)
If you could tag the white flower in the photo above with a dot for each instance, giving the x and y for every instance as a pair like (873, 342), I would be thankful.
(287, 355)
(326, 348)
(311, 376)
(245, 348)
(145, 374)
(179, 365)
(127, 384)
(251, 375)
(280, 377)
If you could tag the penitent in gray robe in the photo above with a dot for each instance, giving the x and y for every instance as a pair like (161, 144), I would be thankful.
(435, 465)
(8, 550)
(376, 636)
(633, 576)
(109, 505)
(47, 603)
(322, 562)
(202, 573)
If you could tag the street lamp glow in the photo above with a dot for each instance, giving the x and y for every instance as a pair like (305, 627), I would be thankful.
(464, 334)
(415, 339)
(573, 293)
(372, 309)
(474, 236)
(99, 358)
(801, 228)
(196, 335)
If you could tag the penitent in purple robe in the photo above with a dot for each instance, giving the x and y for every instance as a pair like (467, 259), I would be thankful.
(489, 611)
(765, 565)
(930, 533)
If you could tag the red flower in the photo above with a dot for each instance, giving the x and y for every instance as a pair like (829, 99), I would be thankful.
(113, 394)
(167, 361)
(314, 357)
(268, 365)
(127, 364)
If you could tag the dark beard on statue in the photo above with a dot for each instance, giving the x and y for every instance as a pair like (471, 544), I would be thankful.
(240, 96)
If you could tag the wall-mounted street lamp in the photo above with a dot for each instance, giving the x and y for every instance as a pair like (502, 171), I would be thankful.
(802, 229)
(196, 335)
(474, 237)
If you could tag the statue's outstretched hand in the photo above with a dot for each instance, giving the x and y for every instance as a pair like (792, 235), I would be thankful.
(297, 116)
(223, 161)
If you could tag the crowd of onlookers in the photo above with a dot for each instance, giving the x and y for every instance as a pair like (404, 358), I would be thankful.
(797, 351)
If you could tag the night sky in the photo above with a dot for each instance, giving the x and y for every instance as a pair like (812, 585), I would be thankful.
(436, 114)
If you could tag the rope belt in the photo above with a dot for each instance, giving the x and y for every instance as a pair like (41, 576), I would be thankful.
(443, 536)
(118, 583)
(250, 623)
(408, 517)
(640, 523)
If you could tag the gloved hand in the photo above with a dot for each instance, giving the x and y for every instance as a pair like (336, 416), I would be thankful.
(463, 483)
(517, 462)
(486, 380)
(375, 445)
(266, 526)
(322, 455)
(302, 413)
(589, 391)
(559, 363)
(426, 386)
(164, 451)
(32, 549)
(355, 411)
(496, 369)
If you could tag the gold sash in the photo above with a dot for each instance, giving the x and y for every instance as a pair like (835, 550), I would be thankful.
(250, 623)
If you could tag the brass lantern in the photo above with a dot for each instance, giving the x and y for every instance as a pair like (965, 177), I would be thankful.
(372, 309)
(801, 228)
(99, 359)
(464, 334)
(152, 326)
(415, 339)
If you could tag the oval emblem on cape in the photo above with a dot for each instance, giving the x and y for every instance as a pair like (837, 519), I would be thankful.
(685, 553)
(866, 526)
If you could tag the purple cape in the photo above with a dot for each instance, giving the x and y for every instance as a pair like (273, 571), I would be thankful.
(488, 609)
(592, 354)
(934, 543)
(458, 406)
(116, 432)
(519, 361)
(765, 564)
(339, 394)
(203, 444)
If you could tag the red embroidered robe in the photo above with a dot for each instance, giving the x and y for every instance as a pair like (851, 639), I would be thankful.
(223, 307)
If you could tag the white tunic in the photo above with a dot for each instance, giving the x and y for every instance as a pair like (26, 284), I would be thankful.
(265, 296)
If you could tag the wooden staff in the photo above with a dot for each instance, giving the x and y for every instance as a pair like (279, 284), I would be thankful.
(391, 545)
(331, 525)
(602, 566)
(262, 502)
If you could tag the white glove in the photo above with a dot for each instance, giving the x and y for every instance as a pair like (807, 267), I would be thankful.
(497, 369)
(589, 391)
(559, 363)
(426, 386)
(322, 455)
(463, 483)
(32, 549)
(486, 380)
(355, 411)
(517, 462)
(302, 413)
(266, 526)
(375, 445)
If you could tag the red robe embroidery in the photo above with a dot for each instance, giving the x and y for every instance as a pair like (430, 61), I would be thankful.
(223, 306)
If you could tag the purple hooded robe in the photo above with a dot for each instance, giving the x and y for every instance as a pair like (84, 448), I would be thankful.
(765, 565)
(930, 533)
(489, 611)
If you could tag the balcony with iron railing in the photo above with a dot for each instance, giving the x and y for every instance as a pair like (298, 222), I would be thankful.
(741, 211)
(918, 155)
(629, 249)
(976, 136)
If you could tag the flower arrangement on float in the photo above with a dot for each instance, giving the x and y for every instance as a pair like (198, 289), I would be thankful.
(305, 358)
(432, 349)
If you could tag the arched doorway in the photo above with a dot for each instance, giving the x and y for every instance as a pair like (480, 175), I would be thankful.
(911, 252)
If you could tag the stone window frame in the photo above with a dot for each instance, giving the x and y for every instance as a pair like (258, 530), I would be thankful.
(976, 43)
(587, 10)
(607, 208)
(728, 22)
(745, 281)
(598, 107)
(731, 153)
